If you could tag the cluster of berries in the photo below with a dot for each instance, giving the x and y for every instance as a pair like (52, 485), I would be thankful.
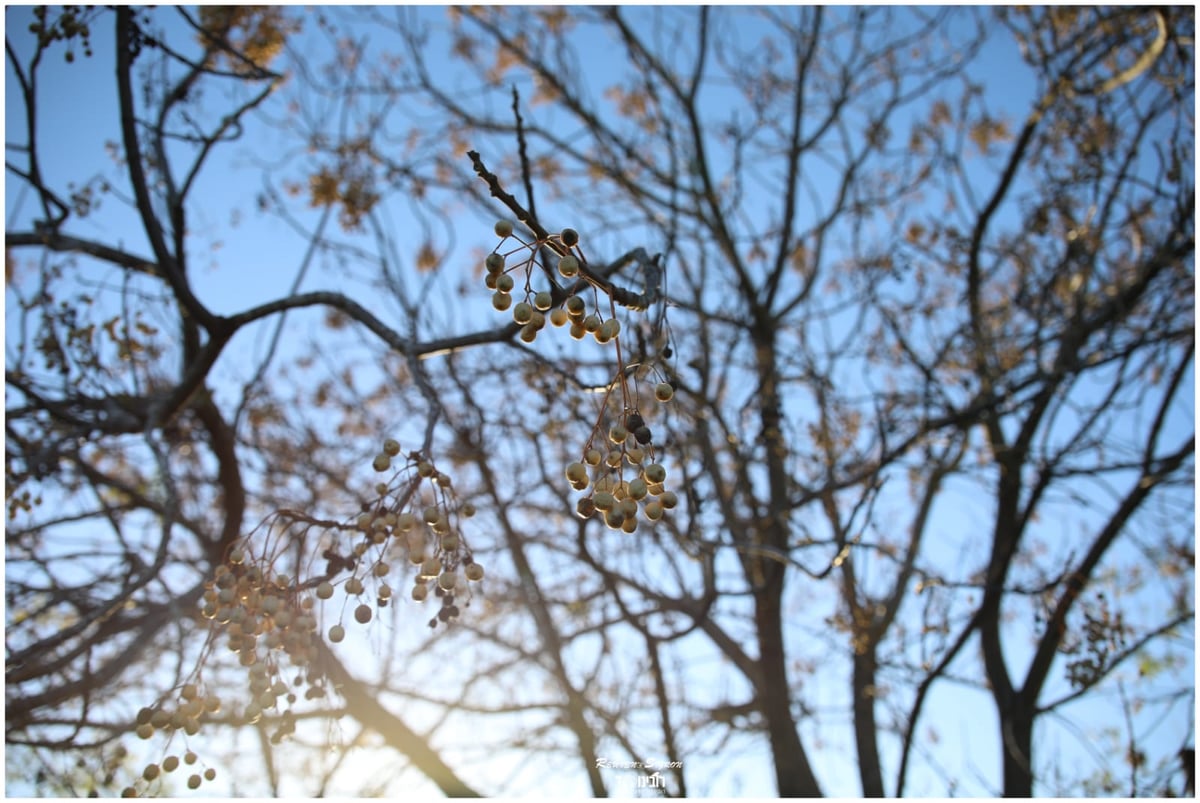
(627, 443)
(537, 308)
(601, 473)
(424, 524)
(269, 617)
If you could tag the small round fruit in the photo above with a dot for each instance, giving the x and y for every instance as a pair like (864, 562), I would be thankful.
(576, 471)
(569, 237)
(504, 228)
(391, 447)
(664, 392)
(529, 333)
(654, 510)
(447, 581)
(575, 306)
(637, 488)
(501, 301)
(504, 283)
(618, 434)
(325, 590)
(559, 317)
(585, 508)
(129, 791)
(474, 572)
(669, 499)
(450, 542)
(362, 614)
(190, 758)
(577, 331)
(150, 772)
(603, 500)
(568, 266)
(382, 462)
(494, 263)
(170, 763)
(591, 323)
(337, 633)
(543, 301)
(381, 569)
(655, 473)
(431, 568)
(145, 731)
(593, 457)
(210, 774)
(354, 586)
(522, 312)
(193, 781)
(420, 592)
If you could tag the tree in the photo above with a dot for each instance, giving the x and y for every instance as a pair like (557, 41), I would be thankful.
(872, 382)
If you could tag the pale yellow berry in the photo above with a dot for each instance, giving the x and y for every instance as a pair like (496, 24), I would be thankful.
(504, 284)
(663, 392)
(655, 473)
(431, 567)
(654, 510)
(447, 581)
(559, 317)
(593, 457)
(504, 228)
(362, 614)
(354, 586)
(382, 462)
(522, 312)
(603, 500)
(494, 263)
(568, 266)
(474, 572)
(501, 301)
(575, 306)
(543, 301)
(391, 448)
(420, 592)
(529, 333)
(337, 633)
(669, 499)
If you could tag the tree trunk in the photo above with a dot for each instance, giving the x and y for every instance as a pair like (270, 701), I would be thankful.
(793, 774)
(1016, 733)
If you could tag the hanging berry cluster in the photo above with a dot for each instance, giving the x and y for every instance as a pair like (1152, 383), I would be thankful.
(617, 467)
(273, 622)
